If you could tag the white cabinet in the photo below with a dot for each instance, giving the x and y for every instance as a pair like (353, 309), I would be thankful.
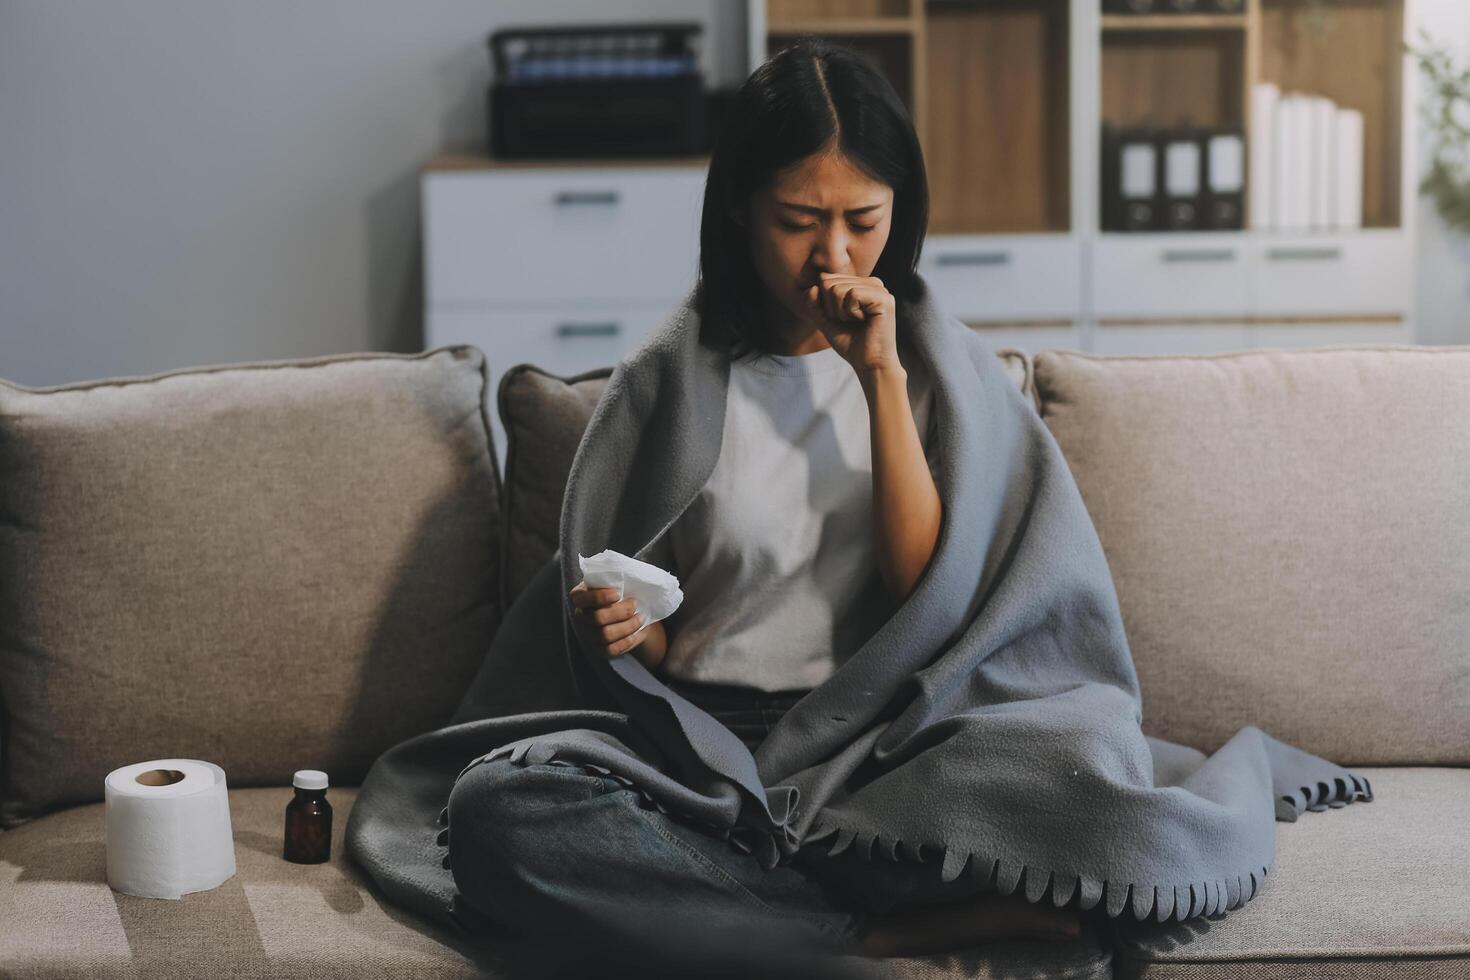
(1005, 277)
(1031, 337)
(1171, 275)
(564, 267)
(1170, 338)
(1330, 333)
(1221, 337)
(511, 235)
(1368, 272)
(566, 339)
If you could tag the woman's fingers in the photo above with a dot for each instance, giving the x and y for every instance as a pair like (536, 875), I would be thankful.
(620, 625)
(615, 612)
(843, 297)
(617, 635)
(585, 597)
(616, 631)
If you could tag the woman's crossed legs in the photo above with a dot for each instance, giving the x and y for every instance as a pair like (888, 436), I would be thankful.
(556, 850)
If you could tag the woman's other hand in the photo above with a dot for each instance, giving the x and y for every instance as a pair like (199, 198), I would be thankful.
(619, 626)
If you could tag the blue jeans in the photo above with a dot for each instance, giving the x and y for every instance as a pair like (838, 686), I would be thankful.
(556, 849)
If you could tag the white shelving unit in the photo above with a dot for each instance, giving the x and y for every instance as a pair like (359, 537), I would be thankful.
(568, 265)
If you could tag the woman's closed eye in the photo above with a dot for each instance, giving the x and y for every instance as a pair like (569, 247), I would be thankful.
(857, 228)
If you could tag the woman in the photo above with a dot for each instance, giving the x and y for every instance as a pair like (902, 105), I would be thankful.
(819, 519)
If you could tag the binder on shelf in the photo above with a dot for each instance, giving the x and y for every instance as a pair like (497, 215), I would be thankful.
(1224, 180)
(1132, 6)
(1130, 177)
(1182, 179)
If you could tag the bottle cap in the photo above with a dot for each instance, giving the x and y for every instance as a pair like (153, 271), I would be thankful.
(310, 779)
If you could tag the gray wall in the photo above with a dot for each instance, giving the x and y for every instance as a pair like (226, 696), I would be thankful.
(1443, 265)
(189, 183)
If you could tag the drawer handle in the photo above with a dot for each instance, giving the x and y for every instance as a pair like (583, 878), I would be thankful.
(611, 329)
(586, 197)
(975, 258)
(1321, 253)
(1199, 255)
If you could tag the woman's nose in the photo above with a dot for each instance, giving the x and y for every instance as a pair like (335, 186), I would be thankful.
(831, 253)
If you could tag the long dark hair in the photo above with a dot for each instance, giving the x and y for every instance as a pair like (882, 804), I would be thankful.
(803, 99)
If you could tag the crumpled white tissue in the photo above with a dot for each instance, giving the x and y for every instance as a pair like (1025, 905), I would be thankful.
(655, 591)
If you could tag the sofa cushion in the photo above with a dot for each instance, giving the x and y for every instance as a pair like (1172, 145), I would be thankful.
(1289, 533)
(272, 919)
(270, 566)
(544, 416)
(277, 919)
(1368, 890)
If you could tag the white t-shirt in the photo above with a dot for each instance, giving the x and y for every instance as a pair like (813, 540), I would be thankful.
(776, 555)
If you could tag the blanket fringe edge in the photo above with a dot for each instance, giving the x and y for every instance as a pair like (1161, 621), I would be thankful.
(1160, 902)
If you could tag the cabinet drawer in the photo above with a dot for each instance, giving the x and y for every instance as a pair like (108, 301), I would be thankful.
(1174, 275)
(1030, 338)
(984, 277)
(515, 236)
(1360, 273)
(563, 340)
(1330, 334)
(1171, 338)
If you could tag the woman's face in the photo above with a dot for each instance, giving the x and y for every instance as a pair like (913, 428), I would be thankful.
(819, 215)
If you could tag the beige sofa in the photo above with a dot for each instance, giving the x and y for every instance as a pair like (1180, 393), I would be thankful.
(297, 564)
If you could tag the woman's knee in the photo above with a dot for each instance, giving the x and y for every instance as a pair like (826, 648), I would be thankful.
(513, 830)
(502, 791)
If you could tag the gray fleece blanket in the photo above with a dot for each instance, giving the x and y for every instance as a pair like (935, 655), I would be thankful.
(990, 726)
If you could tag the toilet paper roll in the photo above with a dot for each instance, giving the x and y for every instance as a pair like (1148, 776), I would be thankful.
(168, 828)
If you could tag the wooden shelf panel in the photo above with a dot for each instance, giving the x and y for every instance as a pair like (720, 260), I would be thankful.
(998, 117)
(784, 11)
(847, 26)
(1188, 78)
(1173, 22)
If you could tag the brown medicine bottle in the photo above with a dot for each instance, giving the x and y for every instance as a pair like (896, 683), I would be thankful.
(309, 819)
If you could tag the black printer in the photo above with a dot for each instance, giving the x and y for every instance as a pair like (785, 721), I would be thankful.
(618, 90)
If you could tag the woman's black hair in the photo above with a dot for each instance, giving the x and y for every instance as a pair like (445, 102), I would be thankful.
(808, 97)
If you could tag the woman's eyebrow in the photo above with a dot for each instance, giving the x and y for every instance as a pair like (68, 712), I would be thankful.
(811, 210)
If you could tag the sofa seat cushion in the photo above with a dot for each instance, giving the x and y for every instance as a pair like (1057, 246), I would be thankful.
(1352, 890)
(277, 919)
(272, 919)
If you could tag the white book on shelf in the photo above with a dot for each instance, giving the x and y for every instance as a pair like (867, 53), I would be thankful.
(1301, 177)
(1281, 162)
(1322, 110)
(1265, 96)
(1294, 162)
(1348, 172)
